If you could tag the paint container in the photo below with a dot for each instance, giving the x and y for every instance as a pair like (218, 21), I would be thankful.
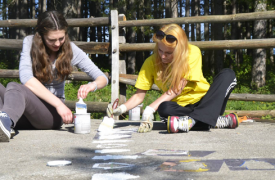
(82, 123)
(80, 107)
(134, 114)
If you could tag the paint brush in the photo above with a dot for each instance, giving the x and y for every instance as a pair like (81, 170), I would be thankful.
(107, 123)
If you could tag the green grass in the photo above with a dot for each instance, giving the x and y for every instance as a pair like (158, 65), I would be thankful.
(104, 95)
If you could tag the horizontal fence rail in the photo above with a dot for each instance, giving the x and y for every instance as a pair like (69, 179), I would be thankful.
(77, 22)
(205, 45)
(105, 21)
(201, 19)
(104, 47)
(131, 80)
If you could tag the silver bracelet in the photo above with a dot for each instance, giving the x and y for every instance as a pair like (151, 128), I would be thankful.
(95, 85)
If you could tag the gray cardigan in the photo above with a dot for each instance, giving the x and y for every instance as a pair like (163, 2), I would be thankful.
(80, 60)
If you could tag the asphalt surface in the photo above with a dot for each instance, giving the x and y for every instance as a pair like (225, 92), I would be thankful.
(247, 152)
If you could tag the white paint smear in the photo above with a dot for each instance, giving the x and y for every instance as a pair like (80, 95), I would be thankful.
(114, 136)
(113, 141)
(114, 176)
(109, 157)
(162, 152)
(111, 145)
(115, 132)
(112, 165)
(111, 150)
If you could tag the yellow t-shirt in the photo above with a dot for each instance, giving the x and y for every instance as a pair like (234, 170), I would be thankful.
(194, 90)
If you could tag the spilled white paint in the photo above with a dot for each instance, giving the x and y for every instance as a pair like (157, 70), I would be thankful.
(112, 165)
(102, 151)
(111, 145)
(114, 176)
(111, 157)
(114, 136)
(112, 141)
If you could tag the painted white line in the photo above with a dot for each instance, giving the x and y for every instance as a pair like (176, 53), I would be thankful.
(113, 141)
(111, 151)
(114, 176)
(109, 157)
(163, 152)
(111, 145)
(112, 165)
(114, 136)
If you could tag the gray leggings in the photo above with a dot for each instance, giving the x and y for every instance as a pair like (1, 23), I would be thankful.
(26, 110)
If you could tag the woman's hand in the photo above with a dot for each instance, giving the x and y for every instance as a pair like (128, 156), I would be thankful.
(85, 89)
(65, 113)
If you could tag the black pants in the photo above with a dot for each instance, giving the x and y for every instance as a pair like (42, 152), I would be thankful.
(210, 107)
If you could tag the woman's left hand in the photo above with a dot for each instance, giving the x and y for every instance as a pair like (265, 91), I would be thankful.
(84, 90)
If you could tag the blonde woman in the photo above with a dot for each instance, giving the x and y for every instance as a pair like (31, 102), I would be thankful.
(188, 99)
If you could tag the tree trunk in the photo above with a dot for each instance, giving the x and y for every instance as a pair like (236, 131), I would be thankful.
(270, 33)
(233, 32)
(259, 55)
(93, 28)
(140, 36)
(147, 29)
(206, 67)
(212, 53)
(42, 6)
(198, 25)
(218, 35)
(192, 25)
(187, 14)
(70, 8)
(225, 35)
(131, 34)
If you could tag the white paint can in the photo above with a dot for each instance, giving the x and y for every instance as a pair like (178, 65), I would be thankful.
(134, 114)
(82, 123)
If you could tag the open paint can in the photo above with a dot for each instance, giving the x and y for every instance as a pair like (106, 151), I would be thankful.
(82, 123)
(134, 114)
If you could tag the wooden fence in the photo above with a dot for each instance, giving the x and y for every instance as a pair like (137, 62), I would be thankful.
(119, 78)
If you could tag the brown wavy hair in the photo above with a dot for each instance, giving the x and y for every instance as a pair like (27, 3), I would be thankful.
(172, 73)
(41, 65)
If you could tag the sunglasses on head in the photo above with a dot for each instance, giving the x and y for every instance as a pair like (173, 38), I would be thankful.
(169, 38)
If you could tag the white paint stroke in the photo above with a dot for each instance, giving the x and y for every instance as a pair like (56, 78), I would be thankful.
(112, 165)
(114, 176)
(114, 136)
(159, 152)
(112, 141)
(111, 150)
(110, 145)
(109, 157)
(115, 132)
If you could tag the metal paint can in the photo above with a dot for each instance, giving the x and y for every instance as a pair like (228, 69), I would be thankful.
(134, 114)
(82, 123)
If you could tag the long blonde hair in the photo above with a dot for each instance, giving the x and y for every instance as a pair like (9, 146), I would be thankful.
(41, 65)
(172, 73)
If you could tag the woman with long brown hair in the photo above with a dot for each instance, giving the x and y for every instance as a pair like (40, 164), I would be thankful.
(46, 60)
(187, 100)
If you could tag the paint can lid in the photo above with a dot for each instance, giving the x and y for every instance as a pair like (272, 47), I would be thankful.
(58, 163)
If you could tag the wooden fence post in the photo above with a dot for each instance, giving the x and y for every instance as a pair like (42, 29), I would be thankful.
(122, 62)
(115, 56)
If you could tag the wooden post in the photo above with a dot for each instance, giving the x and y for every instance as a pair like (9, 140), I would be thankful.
(115, 56)
(122, 62)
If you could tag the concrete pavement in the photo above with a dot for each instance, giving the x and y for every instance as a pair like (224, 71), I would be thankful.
(247, 152)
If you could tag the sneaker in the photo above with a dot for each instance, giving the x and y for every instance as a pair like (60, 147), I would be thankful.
(176, 123)
(5, 127)
(229, 121)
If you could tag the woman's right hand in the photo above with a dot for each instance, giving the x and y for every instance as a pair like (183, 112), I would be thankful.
(65, 113)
